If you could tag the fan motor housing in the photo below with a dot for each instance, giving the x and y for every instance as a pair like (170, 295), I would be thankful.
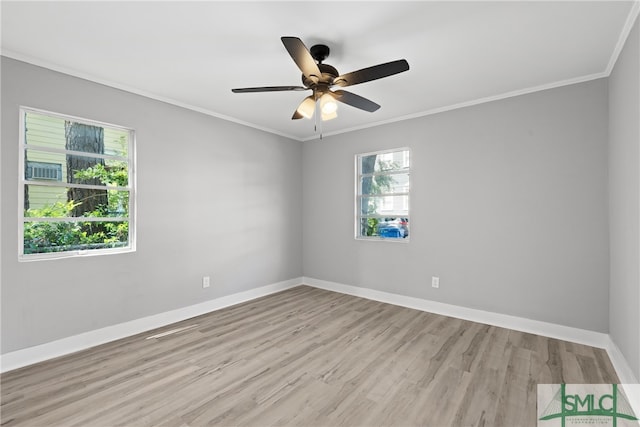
(329, 73)
(320, 52)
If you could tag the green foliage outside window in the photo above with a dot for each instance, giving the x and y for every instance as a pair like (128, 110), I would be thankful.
(372, 227)
(87, 206)
(58, 236)
(373, 185)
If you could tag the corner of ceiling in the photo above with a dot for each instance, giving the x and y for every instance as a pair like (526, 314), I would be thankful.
(85, 76)
(624, 34)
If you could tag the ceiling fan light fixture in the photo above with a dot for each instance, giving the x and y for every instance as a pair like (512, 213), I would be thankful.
(320, 77)
(328, 116)
(328, 105)
(307, 107)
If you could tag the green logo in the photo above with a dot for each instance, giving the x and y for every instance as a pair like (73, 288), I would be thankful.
(585, 404)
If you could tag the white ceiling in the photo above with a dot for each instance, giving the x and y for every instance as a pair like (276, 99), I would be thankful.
(193, 53)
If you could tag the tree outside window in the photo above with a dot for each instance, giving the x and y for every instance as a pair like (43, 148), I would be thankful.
(89, 209)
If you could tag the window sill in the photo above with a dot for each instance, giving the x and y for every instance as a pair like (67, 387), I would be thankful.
(73, 254)
(384, 239)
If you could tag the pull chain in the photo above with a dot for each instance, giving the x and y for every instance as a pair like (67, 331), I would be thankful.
(317, 127)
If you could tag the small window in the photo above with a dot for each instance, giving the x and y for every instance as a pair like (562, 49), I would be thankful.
(382, 196)
(44, 171)
(77, 192)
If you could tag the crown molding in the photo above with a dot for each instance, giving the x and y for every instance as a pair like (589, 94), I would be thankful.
(86, 76)
(624, 35)
(471, 103)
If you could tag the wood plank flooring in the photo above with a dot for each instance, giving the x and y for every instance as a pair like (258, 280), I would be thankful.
(303, 357)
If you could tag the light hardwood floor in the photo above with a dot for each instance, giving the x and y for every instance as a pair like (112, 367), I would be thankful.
(303, 357)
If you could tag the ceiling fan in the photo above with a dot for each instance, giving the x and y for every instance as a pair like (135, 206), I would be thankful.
(320, 78)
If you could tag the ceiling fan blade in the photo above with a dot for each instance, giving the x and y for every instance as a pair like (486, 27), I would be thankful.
(372, 73)
(302, 57)
(267, 89)
(354, 100)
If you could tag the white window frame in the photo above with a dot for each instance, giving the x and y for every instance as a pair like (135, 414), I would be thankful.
(22, 182)
(357, 190)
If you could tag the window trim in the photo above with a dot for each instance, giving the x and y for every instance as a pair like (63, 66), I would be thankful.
(131, 188)
(357, 195)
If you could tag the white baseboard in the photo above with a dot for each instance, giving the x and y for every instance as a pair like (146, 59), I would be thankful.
(39, 353)
(625, 374)
(31, 355)
(566, 333)
(622, 367)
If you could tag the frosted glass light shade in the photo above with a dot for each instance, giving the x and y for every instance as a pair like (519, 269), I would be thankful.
(328, 105)
(307, 107)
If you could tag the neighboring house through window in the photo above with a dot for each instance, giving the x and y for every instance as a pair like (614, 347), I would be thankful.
(43, 170)
(77, 188)
(382, 195)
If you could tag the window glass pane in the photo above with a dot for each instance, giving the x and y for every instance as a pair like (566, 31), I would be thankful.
(45, 131)
(43, 171)
(60, 154)
(45, 237)
(385, 205)
(84, 170)
(382, 201)
(385, 184)
(61, 202)
(58, 133)
(116, 142)
(392, 228)
(369, 227)
(382, 162)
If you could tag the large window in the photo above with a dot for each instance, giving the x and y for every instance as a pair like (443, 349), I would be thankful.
(76, 186)
(382, 196)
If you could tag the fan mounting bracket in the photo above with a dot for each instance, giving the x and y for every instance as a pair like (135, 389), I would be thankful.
(319, 52)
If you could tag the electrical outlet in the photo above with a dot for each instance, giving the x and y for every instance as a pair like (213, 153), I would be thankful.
(435, 282)
(206, 281)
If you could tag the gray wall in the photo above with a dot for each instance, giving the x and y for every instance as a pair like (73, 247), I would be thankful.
(214, 198)
(508, 207)
(624, 201)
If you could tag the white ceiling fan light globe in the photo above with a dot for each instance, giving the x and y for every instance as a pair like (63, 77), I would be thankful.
(307, 107)
(328, 105)
(328, 116)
